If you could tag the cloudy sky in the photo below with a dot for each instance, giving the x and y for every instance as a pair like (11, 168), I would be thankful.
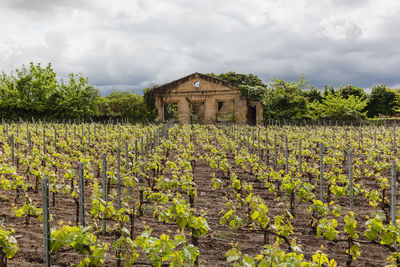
(132, 44)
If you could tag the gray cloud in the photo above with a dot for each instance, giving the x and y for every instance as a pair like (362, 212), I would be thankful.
(134, 44)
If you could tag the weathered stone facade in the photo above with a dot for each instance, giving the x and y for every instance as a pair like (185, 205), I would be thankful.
(206, 99)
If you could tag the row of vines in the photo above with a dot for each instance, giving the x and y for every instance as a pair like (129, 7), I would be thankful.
(190, 195)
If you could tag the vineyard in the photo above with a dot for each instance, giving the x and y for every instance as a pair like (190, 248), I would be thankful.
(102, 194)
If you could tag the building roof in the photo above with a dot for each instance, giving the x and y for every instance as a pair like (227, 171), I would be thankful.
(171, 85)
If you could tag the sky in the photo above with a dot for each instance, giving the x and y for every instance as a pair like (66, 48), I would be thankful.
(133, 44)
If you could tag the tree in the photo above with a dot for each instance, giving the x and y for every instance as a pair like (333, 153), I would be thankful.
(335, 107)
(312, 94)
(239, 78)
(284, 100)
(28, 92)
(349, 90)
(78, 99)
(125, 105)
(328, 89)
(382, 100)
(253, 92)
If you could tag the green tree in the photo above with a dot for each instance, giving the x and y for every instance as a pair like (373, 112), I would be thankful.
(253, 92)
(78, 99)
(335, 107)
(250, 85)
(328, 89)
(312, 94)
(382, 100)
(349, 90)
(284, 100)
(239, 78)
(28, 92)
(125, 105)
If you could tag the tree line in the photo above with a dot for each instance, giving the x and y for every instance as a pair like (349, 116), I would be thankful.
(298, 100)
(34, 92)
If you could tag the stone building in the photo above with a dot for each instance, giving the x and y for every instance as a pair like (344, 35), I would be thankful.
(202, 98)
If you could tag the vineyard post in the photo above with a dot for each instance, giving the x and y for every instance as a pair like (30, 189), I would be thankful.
(258, 143)
(119, 177)
(66, 133)
(141, 151)
(148, 144)
(82, 136)
(252, 146)
(300, 158)
(81, 195)
(127, 157)
(136, 154)
(375, 140)
(359, 138)
(44, 140)
(275, 154)
(147, 147)
(153, 140)
(36, 131)
(55, 138)
(136, 150)
(266, 147)
(29, 141)
(286, 155)
(393, 193)
(351, 192)
(12, 150)
(158, 137)
(394, 139)
(243, 140)
(321, 172)
(104, 193)
(46, 221)
(89, 134)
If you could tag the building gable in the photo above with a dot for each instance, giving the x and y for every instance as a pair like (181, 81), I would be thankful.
(188, 84)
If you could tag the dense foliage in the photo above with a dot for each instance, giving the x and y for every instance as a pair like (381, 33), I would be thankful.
(284, 100)
(240, 78)
(298, 100)
(335, 106)
(34, 91)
